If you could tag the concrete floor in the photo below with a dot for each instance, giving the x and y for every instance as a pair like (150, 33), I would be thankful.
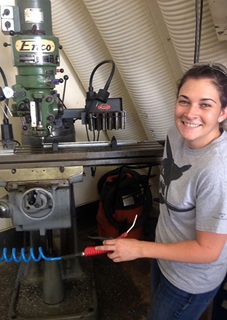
(122, 290)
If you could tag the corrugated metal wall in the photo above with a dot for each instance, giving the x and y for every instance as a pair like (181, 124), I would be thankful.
(151, 42)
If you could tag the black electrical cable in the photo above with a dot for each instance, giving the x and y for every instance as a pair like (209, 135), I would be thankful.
(98, 135)
(62, 102)
(110, 76)
(103, 93)
(87, 134)
(5, 120)
(198, 29)
(4, 77)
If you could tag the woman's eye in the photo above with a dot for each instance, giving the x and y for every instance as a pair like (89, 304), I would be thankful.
(205, 105)
(183, 102)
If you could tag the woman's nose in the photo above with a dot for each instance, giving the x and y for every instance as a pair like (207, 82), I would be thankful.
(192, 111)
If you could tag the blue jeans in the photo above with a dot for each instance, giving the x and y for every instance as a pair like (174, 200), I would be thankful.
(170, 303)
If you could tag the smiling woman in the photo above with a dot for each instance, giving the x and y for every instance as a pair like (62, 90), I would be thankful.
(201, 106)
(198, 113)
(190, 250)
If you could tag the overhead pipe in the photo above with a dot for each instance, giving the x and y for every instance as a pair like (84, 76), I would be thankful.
(180, 18)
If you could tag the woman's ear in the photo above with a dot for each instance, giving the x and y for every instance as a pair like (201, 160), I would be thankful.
(223, 115)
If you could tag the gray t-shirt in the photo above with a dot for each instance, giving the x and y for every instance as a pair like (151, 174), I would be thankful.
(193, 196)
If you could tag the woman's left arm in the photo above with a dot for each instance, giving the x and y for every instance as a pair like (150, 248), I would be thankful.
(212, 244)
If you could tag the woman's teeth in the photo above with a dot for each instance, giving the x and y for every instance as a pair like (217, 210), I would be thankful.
(191, 125)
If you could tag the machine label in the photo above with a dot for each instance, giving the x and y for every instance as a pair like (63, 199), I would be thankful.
(33, 15)
(35, 45)
(104, 107)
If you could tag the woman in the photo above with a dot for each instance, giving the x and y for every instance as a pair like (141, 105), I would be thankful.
(191, 234)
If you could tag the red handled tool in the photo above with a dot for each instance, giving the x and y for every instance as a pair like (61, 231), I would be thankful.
(91, 251)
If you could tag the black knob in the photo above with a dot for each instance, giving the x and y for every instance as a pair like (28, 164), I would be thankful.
(7, 25)
(6, 12)
(5, 44)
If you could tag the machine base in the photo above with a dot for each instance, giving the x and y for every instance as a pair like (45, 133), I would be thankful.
(78, 299)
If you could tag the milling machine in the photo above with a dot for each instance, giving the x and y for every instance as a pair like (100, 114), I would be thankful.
(39, 174)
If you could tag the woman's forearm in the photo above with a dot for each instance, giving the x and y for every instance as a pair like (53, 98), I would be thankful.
(205, 249)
